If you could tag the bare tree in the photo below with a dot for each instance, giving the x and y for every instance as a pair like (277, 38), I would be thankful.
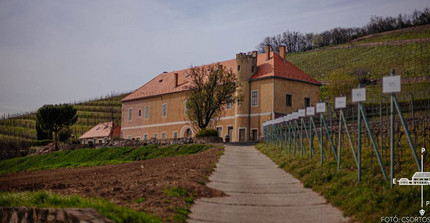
(211, 88)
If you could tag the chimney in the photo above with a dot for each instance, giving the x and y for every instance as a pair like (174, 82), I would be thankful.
(282, 52)
(267, 52)
(176, 79)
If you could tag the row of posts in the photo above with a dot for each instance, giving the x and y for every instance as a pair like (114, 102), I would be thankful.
(287, 132)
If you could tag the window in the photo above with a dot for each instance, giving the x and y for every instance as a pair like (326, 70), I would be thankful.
(85, 141)
(106, 140)
(128, 137)
(145, 137)
(289, 100)
(254, 98)
(307, 102)
(130, 114)
(164, 110)
(239, 102)
(175, 134)
(238, 67)
(163, 135)
(185, 107)
(254, 134)
(219, 130)
(100, 141)
(95, 140)
(138, 138)
(155, 135)
(230, 132)
(147, 112)
(140, 113)
(230, 102)
(252, 69)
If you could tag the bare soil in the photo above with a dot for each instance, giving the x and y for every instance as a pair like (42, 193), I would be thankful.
(125, 183)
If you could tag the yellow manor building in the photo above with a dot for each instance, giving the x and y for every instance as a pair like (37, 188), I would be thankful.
(270, 85)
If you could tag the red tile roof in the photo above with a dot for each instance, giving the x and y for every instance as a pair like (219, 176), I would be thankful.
(274, 67)
(101, 130)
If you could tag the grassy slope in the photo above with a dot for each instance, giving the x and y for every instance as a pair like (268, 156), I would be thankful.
(43, 199)
(90, 113)
(419, 32)
(366, 201)
(95, 157)
(408, 59)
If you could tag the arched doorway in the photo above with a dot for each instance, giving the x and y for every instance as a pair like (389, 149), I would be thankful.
(186, 132)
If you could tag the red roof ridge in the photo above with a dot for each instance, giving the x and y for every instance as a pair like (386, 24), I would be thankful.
(274, 67)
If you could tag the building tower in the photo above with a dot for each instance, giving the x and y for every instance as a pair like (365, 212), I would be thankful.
(246, 67)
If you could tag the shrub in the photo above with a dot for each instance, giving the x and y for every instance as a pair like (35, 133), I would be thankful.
(207, 132)
(64, 134)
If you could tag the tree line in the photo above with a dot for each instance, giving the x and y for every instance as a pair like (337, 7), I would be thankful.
(299, 42)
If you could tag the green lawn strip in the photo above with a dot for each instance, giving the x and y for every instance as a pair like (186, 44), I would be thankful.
(366, 201)
(44, 199)
(95, 157)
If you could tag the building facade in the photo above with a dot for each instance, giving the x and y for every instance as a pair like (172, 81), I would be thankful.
(101, 133)
(270, 87)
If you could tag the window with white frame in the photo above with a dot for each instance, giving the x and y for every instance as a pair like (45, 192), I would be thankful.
(163, 135)
(254, 98)
(145, 137)
(175, 134)
(130, 114)
(147, 111)
(156, 135)
(164, 110)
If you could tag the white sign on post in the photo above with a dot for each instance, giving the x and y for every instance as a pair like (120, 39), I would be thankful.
(320, 107)
(310, 111)
(302, 112)
(340, 102)
(391, 84)
(358, 94)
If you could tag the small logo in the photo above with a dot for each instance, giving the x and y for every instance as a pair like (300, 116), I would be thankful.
(422, 212)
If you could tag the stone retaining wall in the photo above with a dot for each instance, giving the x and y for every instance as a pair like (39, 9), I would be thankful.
(24, 214)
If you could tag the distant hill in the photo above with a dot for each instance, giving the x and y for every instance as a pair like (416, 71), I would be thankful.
(90, 113)
(374, 56)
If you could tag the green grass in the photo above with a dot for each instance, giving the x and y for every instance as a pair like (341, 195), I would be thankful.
(181, 212)
(95, 157)
(366, 201)
(43, 199)
(409, 60)
(174, 192)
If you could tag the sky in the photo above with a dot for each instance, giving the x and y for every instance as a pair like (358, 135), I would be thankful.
(67, 51)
